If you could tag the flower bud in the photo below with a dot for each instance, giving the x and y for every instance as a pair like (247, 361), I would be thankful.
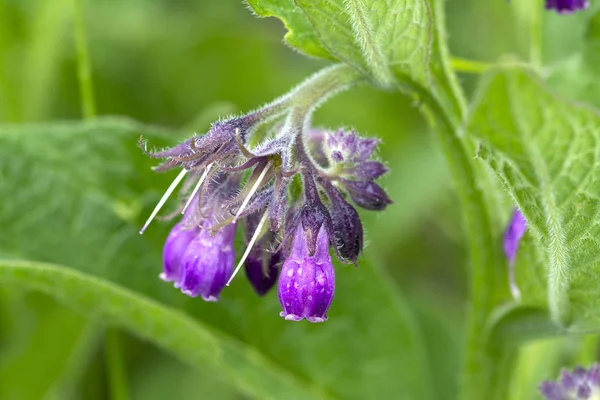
(261, 265)
(347, 230)
(207, 263)
(367, 171)
(368, 195)
(307, 282)
(262, 269)
(581, 384)
(512, 236)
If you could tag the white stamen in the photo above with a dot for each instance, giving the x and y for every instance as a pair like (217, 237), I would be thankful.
(249, 248)
(252, 191)
(164, 199)
(202, 178)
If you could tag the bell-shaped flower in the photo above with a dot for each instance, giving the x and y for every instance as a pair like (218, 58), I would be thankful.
(207, 263)
(307, 281)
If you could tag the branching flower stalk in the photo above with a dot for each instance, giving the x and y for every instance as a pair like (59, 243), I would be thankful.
(227, 183)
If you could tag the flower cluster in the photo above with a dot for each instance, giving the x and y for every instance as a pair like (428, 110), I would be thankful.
(581, 384)
(290, 190)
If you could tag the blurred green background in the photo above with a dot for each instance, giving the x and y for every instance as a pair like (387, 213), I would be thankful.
(70, 196)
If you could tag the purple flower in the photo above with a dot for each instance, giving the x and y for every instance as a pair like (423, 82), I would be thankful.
(262, 265)
(207, 263)
(581, 384)
(567, 6)
(175, 246)
(307, 282)
(512, 237)
(262, 269)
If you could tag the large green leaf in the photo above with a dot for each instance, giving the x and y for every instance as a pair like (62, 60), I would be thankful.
(90, 183)
(187, 339)
(383, 39)
(546, 153)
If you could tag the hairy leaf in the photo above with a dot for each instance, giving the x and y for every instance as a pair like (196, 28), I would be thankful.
(546, 153)
(384, 39)
(301, 35)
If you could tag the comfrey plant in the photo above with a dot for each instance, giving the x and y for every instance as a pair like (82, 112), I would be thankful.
(229, 182)
(290, 190)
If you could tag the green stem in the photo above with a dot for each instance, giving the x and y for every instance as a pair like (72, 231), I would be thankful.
(84, 69)
(535, 34)
(481, 365)
(468, 66)
(115, 365)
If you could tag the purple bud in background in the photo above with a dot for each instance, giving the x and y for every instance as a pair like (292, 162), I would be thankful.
(581, 384)
(512, 237)
(368, 195)
(207, 263)
(175, 246)
(307, 282)
(567, 6)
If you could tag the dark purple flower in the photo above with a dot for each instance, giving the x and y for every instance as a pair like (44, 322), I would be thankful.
(261, 265)
(262, 269)
(512, 236)
(581, 384)
(307, 282)
(367, 194)
(207, 263)
(567, 6)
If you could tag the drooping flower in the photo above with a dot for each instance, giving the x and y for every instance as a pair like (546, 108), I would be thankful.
(262, 265)
(175, 246)
(581, 384)
(208, 263)
(512, 237)
(567, 6)
(307, 281)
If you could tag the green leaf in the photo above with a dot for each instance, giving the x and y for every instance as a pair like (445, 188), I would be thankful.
(191, 341)
(301, 34)
(546, 153)
(386, 40)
